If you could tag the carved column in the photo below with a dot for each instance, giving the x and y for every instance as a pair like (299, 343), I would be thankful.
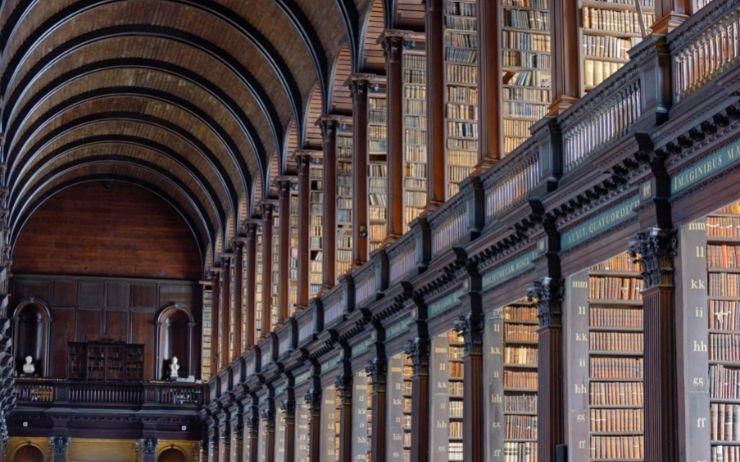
(343, 384)
(59, 445)
(303, 163)
(266, 267)
(250, 247)
(566, 84)
(148, 449)
(268, 415)
(211, 440)
(215, 321)
(238, 326)
(237, 434)
(393, 48)
(376, 370)
(669, 14)
(548, 294)
(654, 250)
(329, 231)
(359, 87)
(313, 399)
(435, 103)
(284, 259)
(224, 436)
(489, 74)
(418, 351)
(288, 408)
(470, 326)
(225, 304)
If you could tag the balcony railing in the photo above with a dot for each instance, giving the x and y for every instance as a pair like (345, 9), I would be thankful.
(67, 392)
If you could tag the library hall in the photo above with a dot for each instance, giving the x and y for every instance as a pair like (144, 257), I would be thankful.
(369, 231)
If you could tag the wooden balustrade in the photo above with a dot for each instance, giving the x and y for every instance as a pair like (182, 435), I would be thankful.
(508, 185)
(448, 228)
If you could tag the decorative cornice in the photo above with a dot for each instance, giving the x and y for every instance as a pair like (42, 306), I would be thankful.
(654, 250)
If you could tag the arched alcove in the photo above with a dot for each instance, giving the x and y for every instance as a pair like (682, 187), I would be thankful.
(171, 455)
(31, 453)
(175, 333)
(31, 328)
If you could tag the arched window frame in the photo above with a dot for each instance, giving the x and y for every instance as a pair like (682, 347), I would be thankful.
(163, 318)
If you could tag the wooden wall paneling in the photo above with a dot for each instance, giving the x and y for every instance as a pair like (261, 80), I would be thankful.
(91, 294)
(39, 289)
(116, 325)
(393, 47)
(62, 332)
(435, 103)
(89, 324)
(143, 294)
(64, 293)
(489, 70)
(566, 82)
(117, 294)
(144, 333)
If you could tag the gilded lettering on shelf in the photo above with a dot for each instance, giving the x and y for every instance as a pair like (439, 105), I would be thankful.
(599, 223)
(714, 162)
(697, 284)
(699, 346)
(699, 312)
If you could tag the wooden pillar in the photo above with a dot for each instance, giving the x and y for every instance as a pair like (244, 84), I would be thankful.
(669, 14)
(654, 250)
(59, 445)
(147, 450)
(225, 294)
(303, 164)
(377, 371)
(548, 293)
(253, 428)
(360, 229)
(435, 103)
(489, 76)
(393, 49)
(313, 399)
(238, 288)
(215, 322)
(250, 247)
(288, 408)
(329, 231)
(418, 350)
(343, 384)
(268, 415)
(284, 258)
(470, 326)
(566, 84)
(266, 267)
(212, 440)
(224, 436)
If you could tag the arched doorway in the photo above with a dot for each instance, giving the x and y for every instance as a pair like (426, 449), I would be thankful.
(31, 322)
(30, 453)
(175, 330)
(171, 455)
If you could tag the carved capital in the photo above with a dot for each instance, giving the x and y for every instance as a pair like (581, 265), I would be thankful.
(148, 446)
(393, 48)
(59, 444)
(654, 250)
(287, 405)
(312, 397)
(342, 382)
(267, 413)
(418, 350)
(376, 369)
(548, 295)
(470, 327)
(359, 88)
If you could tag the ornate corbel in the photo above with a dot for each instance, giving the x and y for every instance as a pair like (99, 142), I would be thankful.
(654, 250)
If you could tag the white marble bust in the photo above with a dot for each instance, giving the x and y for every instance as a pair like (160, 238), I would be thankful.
(28, 367)
(174, 368)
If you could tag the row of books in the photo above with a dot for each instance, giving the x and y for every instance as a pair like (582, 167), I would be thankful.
(528, 78)
(615, 393)
(415, 94)
(468, 144)
(723, 256)
(725, 422)
(518, 128)
(617, 447)
(601, 46)
(463, 95)
(461, 8)
(615, 368)
(520, 403)
(617, 318)
(461, 23)
(520, 356)
(622, 263)
(458, 74)
(520, 333)
(722, 453)
(527, 19)
(462, 129)
(596, 71)
(461, 111)
(616, 421)
(529, 110)
(455, 430)
(520, 379)
(723, 227)
(515, 451)
(643, 3)
(614, 288)
(724, 382)
(724, 285)
(520, 313)
(539, 4)
(516, 59)
(724, 347)
(526, 94)
(520, 427)
(620, 21)
(525, 41)
(616, 341)
(463, 40)
(724, 314)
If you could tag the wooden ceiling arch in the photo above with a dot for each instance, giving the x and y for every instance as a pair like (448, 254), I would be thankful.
(204, 100)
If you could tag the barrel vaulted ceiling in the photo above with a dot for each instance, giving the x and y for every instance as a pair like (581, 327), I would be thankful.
(199, 101)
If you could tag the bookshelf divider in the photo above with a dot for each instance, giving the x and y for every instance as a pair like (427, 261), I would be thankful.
(344, 200)
(316, 223)
(377, 152)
